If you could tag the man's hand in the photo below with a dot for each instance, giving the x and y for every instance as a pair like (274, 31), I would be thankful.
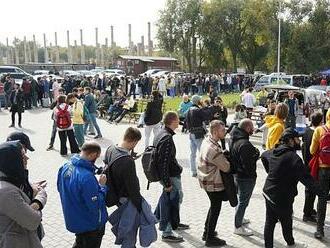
(169, 189)
(35, 206)
(102, 179)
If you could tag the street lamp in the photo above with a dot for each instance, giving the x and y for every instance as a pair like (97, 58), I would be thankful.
(279, 16)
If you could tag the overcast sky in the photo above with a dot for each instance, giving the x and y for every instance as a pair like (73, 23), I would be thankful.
(27, 17)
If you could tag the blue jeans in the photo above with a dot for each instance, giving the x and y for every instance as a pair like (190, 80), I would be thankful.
(92, 119)
(245, 188)
(200, 89)
(79, 133)
(195, 144)
(176, 186)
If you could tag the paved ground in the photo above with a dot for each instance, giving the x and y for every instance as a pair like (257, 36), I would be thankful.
(44, 165)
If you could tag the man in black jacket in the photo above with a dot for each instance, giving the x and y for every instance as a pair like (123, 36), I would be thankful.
(316, 120)
(121, 169)
(285, 169)
(195, 124)
(169, 168)
(244, 157)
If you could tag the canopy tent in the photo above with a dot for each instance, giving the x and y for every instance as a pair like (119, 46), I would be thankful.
(325, 73)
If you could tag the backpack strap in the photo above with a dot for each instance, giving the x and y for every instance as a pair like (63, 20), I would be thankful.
(326, 129)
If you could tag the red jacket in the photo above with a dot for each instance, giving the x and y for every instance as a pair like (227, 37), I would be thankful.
(26, 86)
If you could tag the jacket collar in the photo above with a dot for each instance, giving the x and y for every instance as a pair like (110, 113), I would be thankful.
(80, 162)
(214, 142)
(169, 130)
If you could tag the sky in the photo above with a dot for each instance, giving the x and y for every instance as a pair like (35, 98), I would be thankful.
(21, 18)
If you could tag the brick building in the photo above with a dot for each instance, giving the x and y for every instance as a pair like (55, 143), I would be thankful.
(134, 65)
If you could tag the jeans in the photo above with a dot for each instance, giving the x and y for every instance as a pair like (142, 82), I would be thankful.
(200, 89)
(176, 186)
(195, 144)
(114, 112)
(309, 203)
(274, 214)
(324, 180)
(13, 118)
(79, 133)
(92, 120)
(89, 239)
(72, 140)
(216, 199)
(53, 135)
(147, 131)
(7, 101)
(245, 188)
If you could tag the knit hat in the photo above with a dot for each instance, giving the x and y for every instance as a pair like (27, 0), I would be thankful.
(195, 99)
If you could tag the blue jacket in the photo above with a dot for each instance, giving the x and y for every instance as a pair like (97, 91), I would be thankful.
(184, 107)
(90, 103)
(126, 220)
(82, 198)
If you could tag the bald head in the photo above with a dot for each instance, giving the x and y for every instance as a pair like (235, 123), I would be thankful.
(185, 98)
(247, 125)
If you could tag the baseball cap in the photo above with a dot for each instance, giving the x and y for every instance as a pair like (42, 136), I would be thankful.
(289, 133)
(22, 138)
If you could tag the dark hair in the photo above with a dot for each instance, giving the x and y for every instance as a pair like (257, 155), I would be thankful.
(132, 134)
(75, 90)
(61, 99)
(169, 117)
(69, 97)
(155, 94)
(238, 108)
(316, 119)
(88, 89)
(91, 147)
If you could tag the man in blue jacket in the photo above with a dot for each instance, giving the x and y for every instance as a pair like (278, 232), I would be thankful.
(83, 197)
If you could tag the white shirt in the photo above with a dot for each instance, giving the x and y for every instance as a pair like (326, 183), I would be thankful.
(249, 100)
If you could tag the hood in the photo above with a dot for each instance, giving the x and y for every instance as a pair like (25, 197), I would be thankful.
(11, 162)
(281, 149)
(77, 161)
(271, 120)
(238, 134)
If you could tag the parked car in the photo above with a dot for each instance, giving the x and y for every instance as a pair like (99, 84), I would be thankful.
(41, 72)
(150, 72)
(111, 72)
(15, 72)
(160, 74)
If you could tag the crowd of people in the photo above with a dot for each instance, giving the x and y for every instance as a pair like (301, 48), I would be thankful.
(226, 171)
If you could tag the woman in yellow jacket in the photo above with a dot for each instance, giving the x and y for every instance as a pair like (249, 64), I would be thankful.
(77, 118)
(275, 124)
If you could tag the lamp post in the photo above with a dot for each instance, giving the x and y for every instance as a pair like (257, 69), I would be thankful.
(279, 43)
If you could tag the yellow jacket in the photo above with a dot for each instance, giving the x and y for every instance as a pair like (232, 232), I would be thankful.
(318, 133)
(275, 129)
(77, 113)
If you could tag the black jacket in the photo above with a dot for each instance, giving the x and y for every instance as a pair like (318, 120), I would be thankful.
(166, 152)
(17, 101)
(195, 118)
(285, 169)
(244, 155)
(153, 113)
(222, 112)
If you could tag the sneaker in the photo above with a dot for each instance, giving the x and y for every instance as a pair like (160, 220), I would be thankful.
(19, 125)
(98, 137)
(215, 234)
(215, 242)
(319, 234)
(194, 175)
(12, 125)
(140, 126)
(183, 227)
(172, 239)
(245, 221)
(309, 219)
(242, 231)
(50, 148)
(91, 133)
(298, 245)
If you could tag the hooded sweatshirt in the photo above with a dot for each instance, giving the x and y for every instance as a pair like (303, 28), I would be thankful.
(275, 129)
(285, 169)
(318, 133)
(244, 155)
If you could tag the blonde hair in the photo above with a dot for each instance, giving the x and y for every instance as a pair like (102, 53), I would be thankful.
(281, 111)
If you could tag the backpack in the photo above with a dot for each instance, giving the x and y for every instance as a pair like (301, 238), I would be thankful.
(324, 147)
(63, 117)
(149, 161)
(112, 197)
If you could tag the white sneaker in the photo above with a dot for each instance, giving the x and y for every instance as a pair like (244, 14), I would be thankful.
(242, 231)
(298, 245)
(245, 221)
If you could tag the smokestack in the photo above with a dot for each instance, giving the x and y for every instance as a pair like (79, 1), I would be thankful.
(130, 37)
(57, 52)
(8, 52)
(142, 44)
(25, 50)
(149, 40)
(69, 47)
(35, 49)
(111, 37)
(16, 53)
(82, 48)
(97, 46)
(106, 43)
(45, 49)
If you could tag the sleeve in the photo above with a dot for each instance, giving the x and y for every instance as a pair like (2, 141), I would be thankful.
(41, 198)
(92, 193)
(226, 112)
(265, 160)
(220, 161)
(315, 141)
(248, 157)
(274, 136)
(16, 208)
(132, 185)
(165, 150)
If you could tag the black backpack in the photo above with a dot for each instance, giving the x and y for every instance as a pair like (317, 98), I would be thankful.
(112, 197)
(150, 159)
